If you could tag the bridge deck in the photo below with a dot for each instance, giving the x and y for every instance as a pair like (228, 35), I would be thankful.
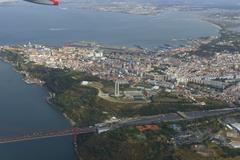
(44, 135)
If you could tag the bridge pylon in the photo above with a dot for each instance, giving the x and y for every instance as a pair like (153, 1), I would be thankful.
(75, 134)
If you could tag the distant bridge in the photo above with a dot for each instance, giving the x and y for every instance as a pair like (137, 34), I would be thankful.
(49, 134)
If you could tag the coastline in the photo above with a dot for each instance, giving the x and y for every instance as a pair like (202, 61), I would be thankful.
(204, 19)
(53, 105)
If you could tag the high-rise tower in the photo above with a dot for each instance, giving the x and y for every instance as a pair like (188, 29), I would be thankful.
(117, 92)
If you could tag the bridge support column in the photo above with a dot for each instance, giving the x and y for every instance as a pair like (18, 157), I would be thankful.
(75, 134)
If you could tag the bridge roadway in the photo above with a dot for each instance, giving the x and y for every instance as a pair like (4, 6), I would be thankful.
(50, 134)
(170, 117)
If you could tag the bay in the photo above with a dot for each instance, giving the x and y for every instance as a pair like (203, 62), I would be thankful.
(57, 26)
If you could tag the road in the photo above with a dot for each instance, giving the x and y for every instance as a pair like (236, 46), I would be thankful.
(170, 117)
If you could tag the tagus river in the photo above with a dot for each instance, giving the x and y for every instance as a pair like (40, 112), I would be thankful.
(23, 107)
(55, 26)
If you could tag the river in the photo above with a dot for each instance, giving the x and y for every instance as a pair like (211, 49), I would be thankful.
(56, 26)
(23, 109)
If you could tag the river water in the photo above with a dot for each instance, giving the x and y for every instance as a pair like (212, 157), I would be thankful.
(23, 109)
(56, 26)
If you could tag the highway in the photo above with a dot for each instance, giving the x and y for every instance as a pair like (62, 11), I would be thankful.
(151, 119)
(170, 117)
(201, 114)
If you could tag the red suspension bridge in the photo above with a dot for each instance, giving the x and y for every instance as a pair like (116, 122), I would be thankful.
(49, 134)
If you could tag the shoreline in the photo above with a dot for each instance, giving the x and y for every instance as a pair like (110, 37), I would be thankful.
(54, 106)
(203, 19)
(48, 98)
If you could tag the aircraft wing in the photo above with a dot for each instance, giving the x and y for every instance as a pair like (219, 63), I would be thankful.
(46, 2)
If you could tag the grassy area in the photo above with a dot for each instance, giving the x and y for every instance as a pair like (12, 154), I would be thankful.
(212, 103)
(128, 143)
(154, 143)
(169, 98)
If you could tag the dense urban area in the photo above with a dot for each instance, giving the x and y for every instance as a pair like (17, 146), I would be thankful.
(97, 84)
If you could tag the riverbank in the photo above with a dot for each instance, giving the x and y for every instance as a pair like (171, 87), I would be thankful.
(24, 111)
(29, 80)
(49, 100)
(35, 81)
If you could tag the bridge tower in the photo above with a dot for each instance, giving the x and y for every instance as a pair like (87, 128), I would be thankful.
(75, 134)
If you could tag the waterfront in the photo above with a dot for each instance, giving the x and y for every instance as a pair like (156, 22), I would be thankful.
(24, 110)
(56, 26)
